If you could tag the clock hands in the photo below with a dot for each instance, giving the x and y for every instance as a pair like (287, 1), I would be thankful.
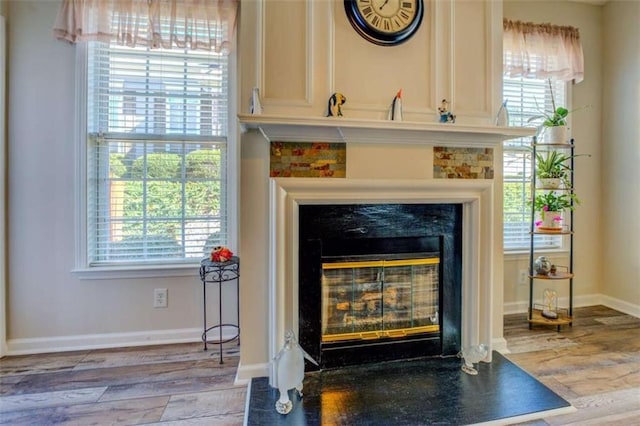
(384, 4)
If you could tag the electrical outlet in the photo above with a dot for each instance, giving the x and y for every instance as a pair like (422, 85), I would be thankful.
(523, 276)
(159, 297)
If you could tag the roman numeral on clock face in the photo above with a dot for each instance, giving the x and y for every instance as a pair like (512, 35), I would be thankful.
(385, 22)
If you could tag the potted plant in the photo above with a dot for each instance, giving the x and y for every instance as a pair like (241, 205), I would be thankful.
(551, 205)
(554, 122)
(552, 169)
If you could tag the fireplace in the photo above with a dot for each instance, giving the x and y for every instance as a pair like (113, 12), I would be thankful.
(379, 281)
(387, 163)
(473, 198)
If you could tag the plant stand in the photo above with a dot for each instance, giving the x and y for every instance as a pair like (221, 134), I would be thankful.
(220, 273)
(564, 316)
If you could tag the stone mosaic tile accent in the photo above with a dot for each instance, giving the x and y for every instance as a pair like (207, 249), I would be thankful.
(308, 159)
(462, 163)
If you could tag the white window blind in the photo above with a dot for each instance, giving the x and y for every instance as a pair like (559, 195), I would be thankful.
(525, 98)
(157, 154)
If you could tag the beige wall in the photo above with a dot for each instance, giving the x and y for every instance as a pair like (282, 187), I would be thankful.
(3, 182)
(587, 131)
(621, 154)
(299, 53)
(49, 307)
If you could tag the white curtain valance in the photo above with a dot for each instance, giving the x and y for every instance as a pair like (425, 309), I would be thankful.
(191, 24)
(542, 51)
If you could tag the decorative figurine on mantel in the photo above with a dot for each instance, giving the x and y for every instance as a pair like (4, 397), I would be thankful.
(395, 110)
(473, 355)
(446, 116)
(290, 371)
(334, 109)
(255, 107)
(502, 118)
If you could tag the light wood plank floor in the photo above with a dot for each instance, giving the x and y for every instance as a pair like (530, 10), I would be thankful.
(595, 365)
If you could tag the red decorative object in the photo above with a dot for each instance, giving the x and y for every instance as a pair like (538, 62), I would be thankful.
(221, 254)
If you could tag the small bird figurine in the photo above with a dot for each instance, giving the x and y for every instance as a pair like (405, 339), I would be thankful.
(395, 110)
(473, 355)
(290, 371)
(334, 109)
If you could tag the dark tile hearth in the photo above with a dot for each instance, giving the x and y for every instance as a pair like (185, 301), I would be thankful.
(425, 391)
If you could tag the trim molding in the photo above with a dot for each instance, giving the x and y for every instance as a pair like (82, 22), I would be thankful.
(521, 307)
(104, 341)
(246, 372)
(620, 305)
(500, 344)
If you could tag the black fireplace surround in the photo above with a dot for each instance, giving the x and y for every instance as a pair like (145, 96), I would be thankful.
(386, 231)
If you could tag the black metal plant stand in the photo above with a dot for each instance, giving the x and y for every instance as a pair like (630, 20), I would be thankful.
(220, 273)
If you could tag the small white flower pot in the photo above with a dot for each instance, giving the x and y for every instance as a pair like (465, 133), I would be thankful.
(556, 134)
(551, 221)
(548, 183)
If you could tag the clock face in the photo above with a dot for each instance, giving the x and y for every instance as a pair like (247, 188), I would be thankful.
(385, 22)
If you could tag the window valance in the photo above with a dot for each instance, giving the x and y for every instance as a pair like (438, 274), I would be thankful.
(542, 51)
(190, 24)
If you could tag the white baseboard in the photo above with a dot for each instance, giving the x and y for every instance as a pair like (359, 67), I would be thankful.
(515, 308)
(247, 372)
(580, 302)
(621, 305)
(104, 341)
(500, 344)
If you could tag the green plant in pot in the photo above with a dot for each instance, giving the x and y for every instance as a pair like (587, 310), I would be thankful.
(551, 205)
(552, 168)
(554, 122)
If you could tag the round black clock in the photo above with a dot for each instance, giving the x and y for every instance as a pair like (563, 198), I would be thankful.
(385, 22)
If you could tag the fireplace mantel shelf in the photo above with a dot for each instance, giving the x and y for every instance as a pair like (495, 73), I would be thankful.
(348, 130)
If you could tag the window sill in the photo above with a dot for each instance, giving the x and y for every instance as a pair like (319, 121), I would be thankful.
(146, 271)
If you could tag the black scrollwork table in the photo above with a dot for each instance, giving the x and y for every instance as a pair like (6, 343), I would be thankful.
(220, 273)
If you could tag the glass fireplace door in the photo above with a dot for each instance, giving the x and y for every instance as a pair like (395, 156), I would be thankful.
(365, 300)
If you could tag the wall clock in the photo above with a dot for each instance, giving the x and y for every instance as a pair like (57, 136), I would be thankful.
(385, 22)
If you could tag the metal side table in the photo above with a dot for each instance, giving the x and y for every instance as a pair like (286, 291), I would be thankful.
(220, 273)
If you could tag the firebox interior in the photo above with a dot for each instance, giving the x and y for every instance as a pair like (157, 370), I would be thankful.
(379, 282)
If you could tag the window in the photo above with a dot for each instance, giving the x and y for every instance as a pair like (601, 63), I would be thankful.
(525, 97)
(156, 150)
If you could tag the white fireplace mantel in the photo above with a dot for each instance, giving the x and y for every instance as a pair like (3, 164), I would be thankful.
(349, 130)
(402, 143)
(476, 197)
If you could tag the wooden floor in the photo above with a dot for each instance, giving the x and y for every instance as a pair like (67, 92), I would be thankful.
(595, 365)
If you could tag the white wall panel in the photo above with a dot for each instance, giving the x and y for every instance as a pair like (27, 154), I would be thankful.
(286, 46)
(471, 58)
(370, 75)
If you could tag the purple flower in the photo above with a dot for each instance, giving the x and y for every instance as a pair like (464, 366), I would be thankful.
(557, 219)
(545, 208)
(538, 222)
